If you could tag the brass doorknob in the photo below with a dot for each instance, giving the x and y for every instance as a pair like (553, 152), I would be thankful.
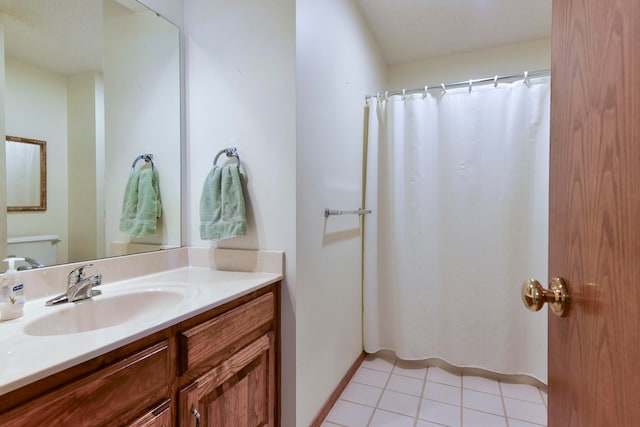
(534, 295)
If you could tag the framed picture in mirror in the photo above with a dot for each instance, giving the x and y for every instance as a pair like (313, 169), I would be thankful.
(26, 163)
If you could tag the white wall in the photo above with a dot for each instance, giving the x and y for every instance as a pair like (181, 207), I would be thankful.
(138, 119)
(338, 62)
(85, 138)
(3, 175)
(36, 108)
(514, 58)
(240, 74)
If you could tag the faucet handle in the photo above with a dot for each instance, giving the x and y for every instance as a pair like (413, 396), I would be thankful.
(77, 274)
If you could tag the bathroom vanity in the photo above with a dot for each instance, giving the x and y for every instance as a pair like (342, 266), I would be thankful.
(210, 358)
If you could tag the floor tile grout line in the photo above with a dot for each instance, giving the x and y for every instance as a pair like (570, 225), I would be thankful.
(424, 387)
(440, 401)
(375, 369)
(370, 407)
(485, 412)
(404, 376)
(403, 392)
(504, 405)
(527, 401)
(482, 391)
(540, 395)
(393, 412)
(409, 376)
(461, 401)
(535, 423)
(524, 400)
(510, 397)
(381, 394)
(358, 382)
(357, 403)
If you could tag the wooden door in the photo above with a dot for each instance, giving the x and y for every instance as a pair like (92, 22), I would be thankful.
(594, 230)
(240, 392)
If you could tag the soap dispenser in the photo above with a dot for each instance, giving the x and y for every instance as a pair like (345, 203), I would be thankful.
(11, 292)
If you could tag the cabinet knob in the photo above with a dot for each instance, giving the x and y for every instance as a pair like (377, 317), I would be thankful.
(196, 414)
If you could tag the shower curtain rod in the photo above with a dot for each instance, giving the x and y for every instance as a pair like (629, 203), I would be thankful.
(445, 86)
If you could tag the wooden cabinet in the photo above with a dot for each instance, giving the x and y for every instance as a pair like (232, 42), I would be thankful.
(113, 393)
(237, 393)
(237, 385)
(220, 366)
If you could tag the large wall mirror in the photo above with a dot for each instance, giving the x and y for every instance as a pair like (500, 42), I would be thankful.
(26, 166)
(99, 81)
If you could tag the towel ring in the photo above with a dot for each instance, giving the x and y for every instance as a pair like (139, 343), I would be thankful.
(148, 158)
(230, 152)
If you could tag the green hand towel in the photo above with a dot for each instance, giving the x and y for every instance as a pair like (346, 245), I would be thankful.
(222, 213)
(141, 206)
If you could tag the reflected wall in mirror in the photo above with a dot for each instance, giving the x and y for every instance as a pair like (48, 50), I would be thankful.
(99, 80)
(26, 163)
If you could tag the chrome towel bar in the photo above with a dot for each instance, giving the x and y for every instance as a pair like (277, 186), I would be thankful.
(230, 152)
(328, 212)
(148, 158)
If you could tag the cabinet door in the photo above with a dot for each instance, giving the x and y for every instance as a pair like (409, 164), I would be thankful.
(240, 392)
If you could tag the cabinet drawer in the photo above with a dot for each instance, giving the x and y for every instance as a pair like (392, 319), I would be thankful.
(160, 416)
(97, 399)
(225, 333)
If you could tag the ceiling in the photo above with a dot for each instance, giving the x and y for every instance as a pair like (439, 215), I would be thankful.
(412, 30)
(66, 35)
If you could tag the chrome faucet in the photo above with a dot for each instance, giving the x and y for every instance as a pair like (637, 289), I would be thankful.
(32, 264)
(79, 287)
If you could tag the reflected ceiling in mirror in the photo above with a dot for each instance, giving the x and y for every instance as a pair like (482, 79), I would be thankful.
(63, 36)
(100, 82)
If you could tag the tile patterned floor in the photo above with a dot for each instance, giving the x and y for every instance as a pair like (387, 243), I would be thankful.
(387, 392)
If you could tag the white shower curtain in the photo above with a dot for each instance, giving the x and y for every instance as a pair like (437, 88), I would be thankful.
(458, 185)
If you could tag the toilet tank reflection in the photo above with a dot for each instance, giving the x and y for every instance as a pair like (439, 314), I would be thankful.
(37, 250)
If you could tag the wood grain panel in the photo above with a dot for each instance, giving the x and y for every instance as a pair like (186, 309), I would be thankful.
(160, 416)
(101, 397)
(241, 401)
(217, 335)
(236, 393)
(594, 224)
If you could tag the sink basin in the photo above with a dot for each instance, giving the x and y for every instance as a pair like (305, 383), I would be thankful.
(104, 311)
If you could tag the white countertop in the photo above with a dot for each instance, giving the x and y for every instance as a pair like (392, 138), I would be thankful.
(27, 358)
